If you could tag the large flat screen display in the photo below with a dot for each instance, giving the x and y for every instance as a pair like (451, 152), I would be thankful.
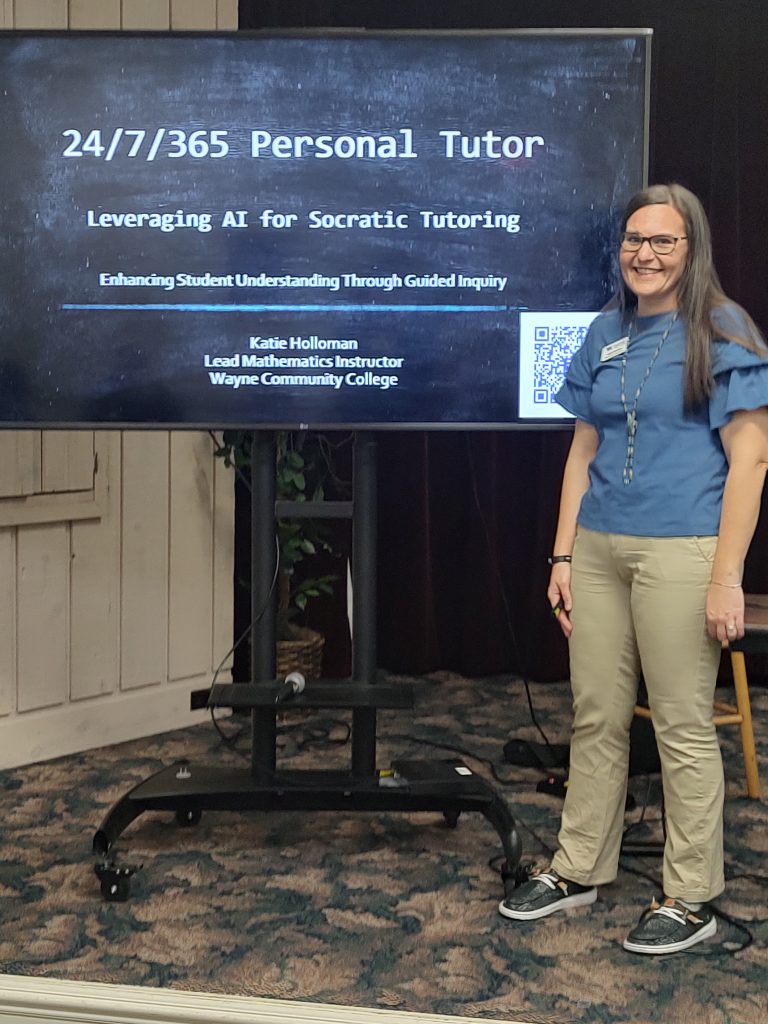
(365, 230)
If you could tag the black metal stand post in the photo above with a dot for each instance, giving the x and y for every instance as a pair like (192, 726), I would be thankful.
(264, 558)
(364, 601)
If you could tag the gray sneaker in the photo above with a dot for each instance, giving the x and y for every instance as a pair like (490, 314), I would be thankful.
(669, 927)
(543, 894)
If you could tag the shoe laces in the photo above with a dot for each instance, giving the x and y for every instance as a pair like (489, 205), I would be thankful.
(674, 909)
(549, 878)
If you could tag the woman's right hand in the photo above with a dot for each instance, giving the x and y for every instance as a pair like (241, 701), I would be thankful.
(584, 444)
(559, 596)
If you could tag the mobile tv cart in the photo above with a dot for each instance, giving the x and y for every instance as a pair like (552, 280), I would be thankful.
(187, 789)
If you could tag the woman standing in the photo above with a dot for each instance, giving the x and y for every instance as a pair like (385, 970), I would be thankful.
(660, 498)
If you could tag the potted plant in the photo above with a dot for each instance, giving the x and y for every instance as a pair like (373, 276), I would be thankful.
(304, 466)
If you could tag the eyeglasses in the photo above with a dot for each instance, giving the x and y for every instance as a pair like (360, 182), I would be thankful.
(662, 245)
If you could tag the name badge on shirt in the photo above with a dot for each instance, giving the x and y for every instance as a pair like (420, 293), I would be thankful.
(616, 348)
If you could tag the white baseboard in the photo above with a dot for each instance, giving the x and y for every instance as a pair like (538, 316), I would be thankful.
(26, 1000)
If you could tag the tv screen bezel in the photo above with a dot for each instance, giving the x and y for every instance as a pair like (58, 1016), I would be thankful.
(324, 33)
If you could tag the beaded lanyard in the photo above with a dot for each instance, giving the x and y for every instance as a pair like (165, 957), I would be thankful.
(631, 414)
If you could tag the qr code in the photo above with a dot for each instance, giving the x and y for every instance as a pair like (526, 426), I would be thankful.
(553, 349)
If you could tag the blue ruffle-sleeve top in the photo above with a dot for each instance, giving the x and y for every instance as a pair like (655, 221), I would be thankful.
(679, 464)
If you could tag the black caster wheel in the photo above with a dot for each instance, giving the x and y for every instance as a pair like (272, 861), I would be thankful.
(188, 818)
(115, 880)
(451, 818)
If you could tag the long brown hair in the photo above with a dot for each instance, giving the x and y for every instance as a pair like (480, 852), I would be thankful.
(699, 292)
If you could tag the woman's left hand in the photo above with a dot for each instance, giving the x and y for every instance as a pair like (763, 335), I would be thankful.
(725, 613)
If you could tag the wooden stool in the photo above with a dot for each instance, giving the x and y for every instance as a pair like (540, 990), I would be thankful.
(755, 640)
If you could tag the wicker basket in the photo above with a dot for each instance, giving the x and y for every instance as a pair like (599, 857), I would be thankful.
(302, 653)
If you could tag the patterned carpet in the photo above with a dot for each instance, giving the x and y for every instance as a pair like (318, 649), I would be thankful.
(390, 910)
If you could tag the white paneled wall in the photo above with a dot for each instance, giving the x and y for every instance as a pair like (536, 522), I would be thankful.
(203, 15)
(94, 14)
(116, 548)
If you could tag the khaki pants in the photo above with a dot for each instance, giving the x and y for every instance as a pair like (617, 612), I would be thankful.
(639, 601)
